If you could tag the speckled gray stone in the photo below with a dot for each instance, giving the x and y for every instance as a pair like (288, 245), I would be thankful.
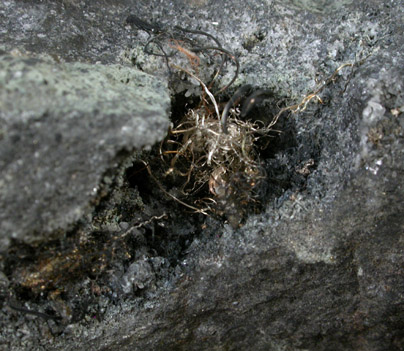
(321, 268)
(63, 126)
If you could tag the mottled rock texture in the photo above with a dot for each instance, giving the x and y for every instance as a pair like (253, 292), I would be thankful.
(320, 268)
(63, 127)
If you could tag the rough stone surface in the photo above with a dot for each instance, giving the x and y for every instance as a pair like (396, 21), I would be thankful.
(63, 126)
(321, 268)
(67, 30)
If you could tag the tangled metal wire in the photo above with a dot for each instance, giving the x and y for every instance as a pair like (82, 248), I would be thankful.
(214, 150)
(211, 149)
(186, 41)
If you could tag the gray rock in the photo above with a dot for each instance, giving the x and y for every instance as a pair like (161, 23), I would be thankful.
(321, 267)
(138, 276)
(67, 30)
(63, 126)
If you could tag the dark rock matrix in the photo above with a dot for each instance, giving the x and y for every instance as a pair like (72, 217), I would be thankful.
(98, 250)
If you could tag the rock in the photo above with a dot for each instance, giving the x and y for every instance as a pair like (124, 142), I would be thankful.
(138, 275)
(320, 268)
(67, 30)
(64, 126)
